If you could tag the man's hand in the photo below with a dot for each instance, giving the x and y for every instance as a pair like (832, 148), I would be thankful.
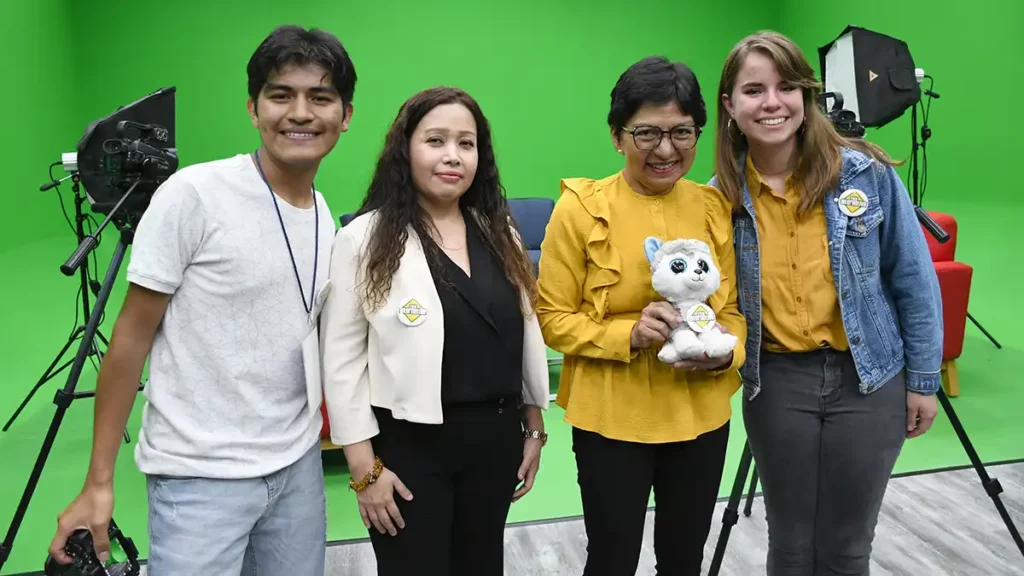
(655, 325)
(92, 510)
(921, 413)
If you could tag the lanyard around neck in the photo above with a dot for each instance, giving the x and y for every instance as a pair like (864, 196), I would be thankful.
(316, 239)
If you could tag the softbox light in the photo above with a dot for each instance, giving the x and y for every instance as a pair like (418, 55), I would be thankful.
(874, 73)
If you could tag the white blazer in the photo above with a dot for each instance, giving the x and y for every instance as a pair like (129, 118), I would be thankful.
(371, 358)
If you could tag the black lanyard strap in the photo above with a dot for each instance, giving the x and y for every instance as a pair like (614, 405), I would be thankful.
(316, 239)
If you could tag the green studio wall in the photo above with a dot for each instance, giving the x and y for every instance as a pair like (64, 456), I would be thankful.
(41, 97)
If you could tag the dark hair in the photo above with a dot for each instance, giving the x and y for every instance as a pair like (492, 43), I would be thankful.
(394, 197)
(295, 45)
(656, 80)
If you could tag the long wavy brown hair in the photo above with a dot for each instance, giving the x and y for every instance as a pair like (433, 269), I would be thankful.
(819, 145)
(395, 200)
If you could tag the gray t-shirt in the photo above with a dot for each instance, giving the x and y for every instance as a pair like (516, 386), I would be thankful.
(226, 396)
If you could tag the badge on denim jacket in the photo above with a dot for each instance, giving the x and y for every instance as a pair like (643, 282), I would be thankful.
(853, 202)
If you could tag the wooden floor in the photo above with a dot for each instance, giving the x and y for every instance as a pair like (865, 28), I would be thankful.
(931, 525)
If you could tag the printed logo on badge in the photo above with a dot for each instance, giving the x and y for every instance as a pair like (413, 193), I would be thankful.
(700, 318)
(853, 202)
(412, 313)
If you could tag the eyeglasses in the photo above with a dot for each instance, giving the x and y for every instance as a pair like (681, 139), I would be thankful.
(683, 137)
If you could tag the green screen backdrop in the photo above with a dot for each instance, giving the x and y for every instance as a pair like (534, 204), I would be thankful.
(542, 72)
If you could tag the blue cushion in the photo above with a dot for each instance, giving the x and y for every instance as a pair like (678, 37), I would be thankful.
(535, 259)
(531, 216)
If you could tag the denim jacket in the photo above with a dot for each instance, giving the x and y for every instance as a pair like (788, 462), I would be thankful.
(883, 273)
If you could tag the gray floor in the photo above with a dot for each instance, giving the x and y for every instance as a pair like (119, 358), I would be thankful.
(932, 524)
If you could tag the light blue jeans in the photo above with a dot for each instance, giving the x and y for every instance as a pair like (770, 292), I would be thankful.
(276, 524)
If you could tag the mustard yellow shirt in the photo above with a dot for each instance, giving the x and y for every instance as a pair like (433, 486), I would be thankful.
(799, 307)
(594, 283)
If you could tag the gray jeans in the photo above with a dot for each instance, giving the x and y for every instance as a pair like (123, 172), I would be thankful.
(824, 453)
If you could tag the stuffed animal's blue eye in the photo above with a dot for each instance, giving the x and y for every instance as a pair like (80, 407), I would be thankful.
(678, 266)
(703, 265)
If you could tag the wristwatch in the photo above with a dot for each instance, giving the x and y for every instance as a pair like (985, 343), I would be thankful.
(536, 434)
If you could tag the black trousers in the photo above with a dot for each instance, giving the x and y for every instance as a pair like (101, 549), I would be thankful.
(616, 479)
(462, 475)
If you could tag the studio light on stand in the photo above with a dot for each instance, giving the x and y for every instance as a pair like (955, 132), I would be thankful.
(872, 79)
(880, 80)
(121, 160)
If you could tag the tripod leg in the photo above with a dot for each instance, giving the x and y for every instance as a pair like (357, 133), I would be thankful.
(730, 516)
(983, 331)
(991, 485)
(64, 397)
(46, 377)
(750, 494)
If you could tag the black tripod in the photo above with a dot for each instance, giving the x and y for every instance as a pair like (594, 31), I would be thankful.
(87, 286)
(67, 394)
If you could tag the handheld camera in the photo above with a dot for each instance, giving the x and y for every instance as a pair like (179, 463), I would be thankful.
(84, 561)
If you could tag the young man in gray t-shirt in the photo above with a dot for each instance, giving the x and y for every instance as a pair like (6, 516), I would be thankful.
(228, 269)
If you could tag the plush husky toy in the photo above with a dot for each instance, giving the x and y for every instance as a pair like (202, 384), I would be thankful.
(684, 273)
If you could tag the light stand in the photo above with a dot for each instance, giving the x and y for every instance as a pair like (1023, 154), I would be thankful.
(933, 228)
(67, 394)
(991, 485)
(86, 286)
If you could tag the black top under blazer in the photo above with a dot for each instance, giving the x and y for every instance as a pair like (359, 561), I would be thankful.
(483, 325)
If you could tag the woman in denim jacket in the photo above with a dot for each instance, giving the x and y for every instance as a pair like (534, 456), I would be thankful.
(842, 304)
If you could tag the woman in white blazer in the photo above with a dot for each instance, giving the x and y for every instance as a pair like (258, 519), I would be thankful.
(435, 370)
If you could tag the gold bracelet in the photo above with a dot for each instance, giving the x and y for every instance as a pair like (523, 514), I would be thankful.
(536, 434)
(370, 478)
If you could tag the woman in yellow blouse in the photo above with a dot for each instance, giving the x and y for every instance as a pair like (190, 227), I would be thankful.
(640, 423)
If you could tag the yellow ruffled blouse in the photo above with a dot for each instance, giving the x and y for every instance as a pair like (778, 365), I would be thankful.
(594, 283)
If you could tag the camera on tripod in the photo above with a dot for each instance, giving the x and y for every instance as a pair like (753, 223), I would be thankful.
(84, 561)
(131, 159)
(120, 160)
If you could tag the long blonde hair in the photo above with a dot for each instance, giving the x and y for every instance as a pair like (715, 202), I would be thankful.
(818, 144)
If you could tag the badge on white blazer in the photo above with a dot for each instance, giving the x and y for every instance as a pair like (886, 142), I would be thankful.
(853, 202)
(412, 313)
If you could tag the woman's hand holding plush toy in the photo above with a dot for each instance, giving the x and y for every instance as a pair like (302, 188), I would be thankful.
(652, 330)
(655, 325)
